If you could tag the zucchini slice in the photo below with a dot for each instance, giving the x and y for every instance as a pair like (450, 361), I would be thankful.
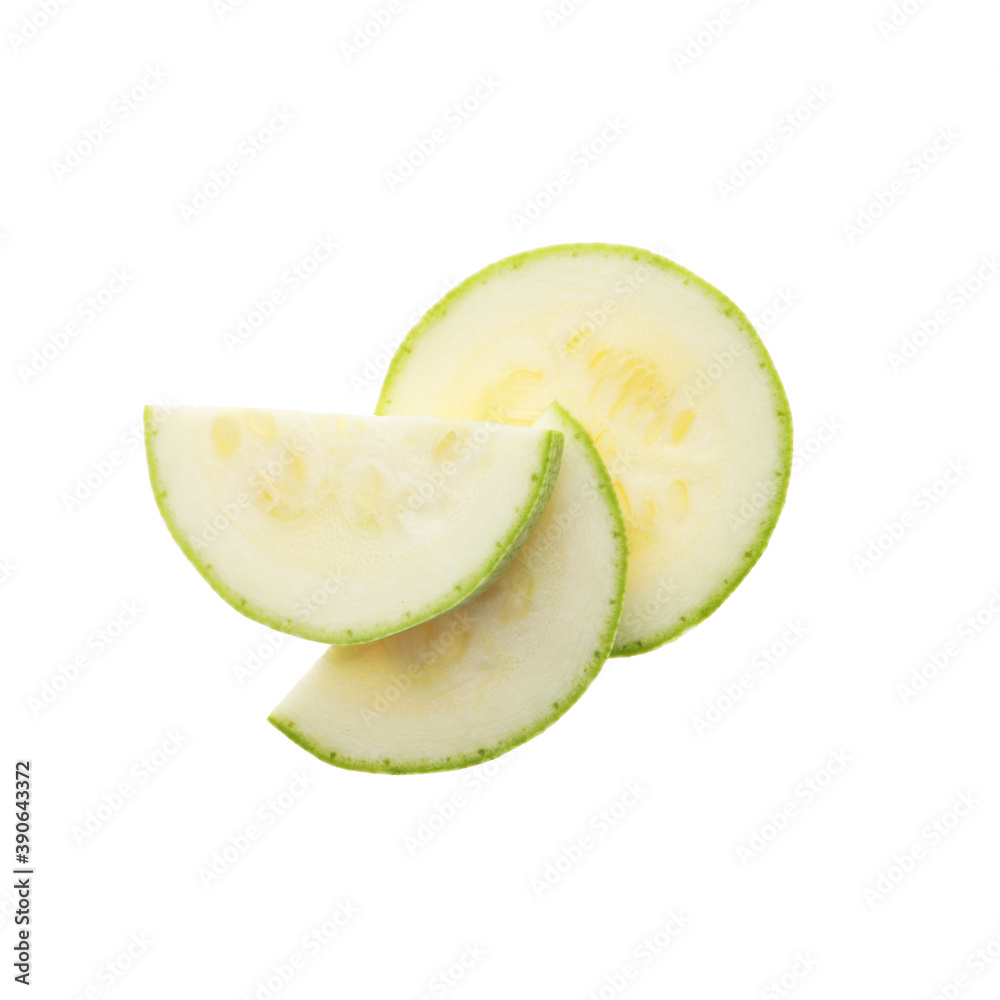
(346, 529)
(474, 683)
(667, 376)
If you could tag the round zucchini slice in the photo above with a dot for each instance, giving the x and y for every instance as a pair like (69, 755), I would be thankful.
(667, 376)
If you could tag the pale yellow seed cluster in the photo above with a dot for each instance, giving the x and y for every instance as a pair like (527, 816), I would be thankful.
(511, 393)
(520, 584)
(226, 435)
(444, 446)
(368, 489)
(630, 390)
(279, 487)
(261, 424)
(626, 391)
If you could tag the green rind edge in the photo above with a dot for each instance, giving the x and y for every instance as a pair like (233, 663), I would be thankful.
(547, 471)
(770, 513)
(598, 659)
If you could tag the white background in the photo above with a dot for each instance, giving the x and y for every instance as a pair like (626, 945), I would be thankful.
(870, 437)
